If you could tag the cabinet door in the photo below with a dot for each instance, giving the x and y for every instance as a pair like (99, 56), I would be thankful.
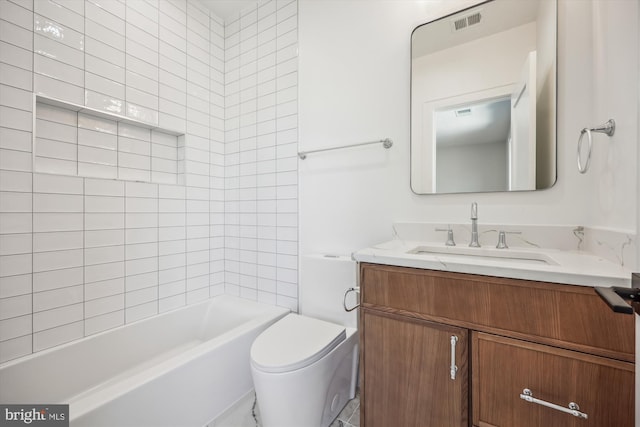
(602, 388)
(407, 378)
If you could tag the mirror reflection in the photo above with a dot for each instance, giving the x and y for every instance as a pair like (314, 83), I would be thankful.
(483, 99)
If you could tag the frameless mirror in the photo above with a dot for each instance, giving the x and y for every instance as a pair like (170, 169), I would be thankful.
(483, 99)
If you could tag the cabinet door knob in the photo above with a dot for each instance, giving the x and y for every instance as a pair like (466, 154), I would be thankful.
(453, 368)
(572, 408)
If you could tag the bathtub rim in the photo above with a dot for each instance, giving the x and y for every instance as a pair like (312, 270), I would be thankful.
(22, 359)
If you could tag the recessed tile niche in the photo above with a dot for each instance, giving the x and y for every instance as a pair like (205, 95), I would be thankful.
(74, 140)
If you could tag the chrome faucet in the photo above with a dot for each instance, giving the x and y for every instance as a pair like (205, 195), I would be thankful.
(474, 226)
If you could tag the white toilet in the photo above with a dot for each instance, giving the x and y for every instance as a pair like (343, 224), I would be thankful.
(305, 369)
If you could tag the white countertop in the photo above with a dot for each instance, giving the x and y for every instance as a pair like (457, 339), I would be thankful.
(567, 267)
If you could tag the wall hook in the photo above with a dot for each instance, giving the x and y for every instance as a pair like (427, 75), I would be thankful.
(609, 128)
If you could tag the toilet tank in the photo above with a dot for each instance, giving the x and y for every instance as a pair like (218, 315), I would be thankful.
(324, 278)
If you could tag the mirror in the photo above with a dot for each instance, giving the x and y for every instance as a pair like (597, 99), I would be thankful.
(483, 99)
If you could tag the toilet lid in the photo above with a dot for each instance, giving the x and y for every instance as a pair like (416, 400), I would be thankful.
(294, 342)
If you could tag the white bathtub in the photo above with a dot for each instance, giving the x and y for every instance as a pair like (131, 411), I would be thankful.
(181, 368)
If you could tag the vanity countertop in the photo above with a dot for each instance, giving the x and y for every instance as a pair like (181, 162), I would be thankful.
(547, 265)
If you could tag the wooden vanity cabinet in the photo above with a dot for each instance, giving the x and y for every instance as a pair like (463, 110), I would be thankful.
(408, 373)
(561, 342)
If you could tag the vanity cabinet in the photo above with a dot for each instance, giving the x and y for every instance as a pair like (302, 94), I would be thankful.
(560, 342)
(408, 372)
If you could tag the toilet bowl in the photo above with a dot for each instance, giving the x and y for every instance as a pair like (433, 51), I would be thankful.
(304, 371)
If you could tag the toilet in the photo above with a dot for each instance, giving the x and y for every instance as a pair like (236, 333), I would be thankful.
(305, 368)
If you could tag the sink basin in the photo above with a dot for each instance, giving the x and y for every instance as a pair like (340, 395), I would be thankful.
(487, 254)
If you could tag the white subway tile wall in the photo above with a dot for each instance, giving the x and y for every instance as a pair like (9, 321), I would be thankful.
(83, 246)
(260, 220)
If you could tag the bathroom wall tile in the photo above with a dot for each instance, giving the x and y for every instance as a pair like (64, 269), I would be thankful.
(197, 295)
(141, 52)
(55, 279)
(93, 325)
(142, 311)
(105, 69)
(46, 242)
(13, 75)
(97, 170)
(99, 238)
(116, 8)
(55, 166)
(62, 15)
(15, 160)
(15, 327)
(58, 89)
(141, 235)
(103, 221)
(46, 222)
(44, 183)
(14, 244)
(18, 61)
(142, 113)
(58, 335)
(99, 14)
(103, 254)
(144, 16)
(13, 265)
(15, 35)
(56, 260)
(14, 13)
(99, 156)
(49, 149)
(102, 272)
(15, 119)
(96, 83)
(60, 33)
(141, 281)
(171, 303)
(101, 306)
(142, 296)
(169, 35)
(14, 348)
(102, 187)
(15, 306)
(43, 202)
(57, 298)
(103, 288)
(58, 51)
(16, 98)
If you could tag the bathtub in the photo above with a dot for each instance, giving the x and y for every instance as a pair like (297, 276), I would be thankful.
(180, 368)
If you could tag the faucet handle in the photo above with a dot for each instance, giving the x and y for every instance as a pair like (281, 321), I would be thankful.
(474, 210)
(450, 241)
(502, 239)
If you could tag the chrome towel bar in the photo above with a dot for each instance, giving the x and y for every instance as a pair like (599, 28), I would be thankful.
(386, 143)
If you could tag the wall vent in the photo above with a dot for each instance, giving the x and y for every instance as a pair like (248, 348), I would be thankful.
(467, 21)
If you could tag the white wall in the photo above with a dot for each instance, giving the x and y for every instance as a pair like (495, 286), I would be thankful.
(354, 86)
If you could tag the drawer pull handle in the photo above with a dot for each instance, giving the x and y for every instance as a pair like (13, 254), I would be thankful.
(572, 408)
(453, 368)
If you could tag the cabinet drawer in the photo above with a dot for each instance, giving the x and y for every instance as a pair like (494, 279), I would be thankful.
(503, 367)
(566, 316)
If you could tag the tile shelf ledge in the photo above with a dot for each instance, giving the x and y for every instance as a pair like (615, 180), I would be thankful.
(101, 114)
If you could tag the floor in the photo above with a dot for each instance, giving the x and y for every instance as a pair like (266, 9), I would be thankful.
(247, 414)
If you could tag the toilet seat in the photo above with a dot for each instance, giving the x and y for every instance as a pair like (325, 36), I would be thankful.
(295, 342)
